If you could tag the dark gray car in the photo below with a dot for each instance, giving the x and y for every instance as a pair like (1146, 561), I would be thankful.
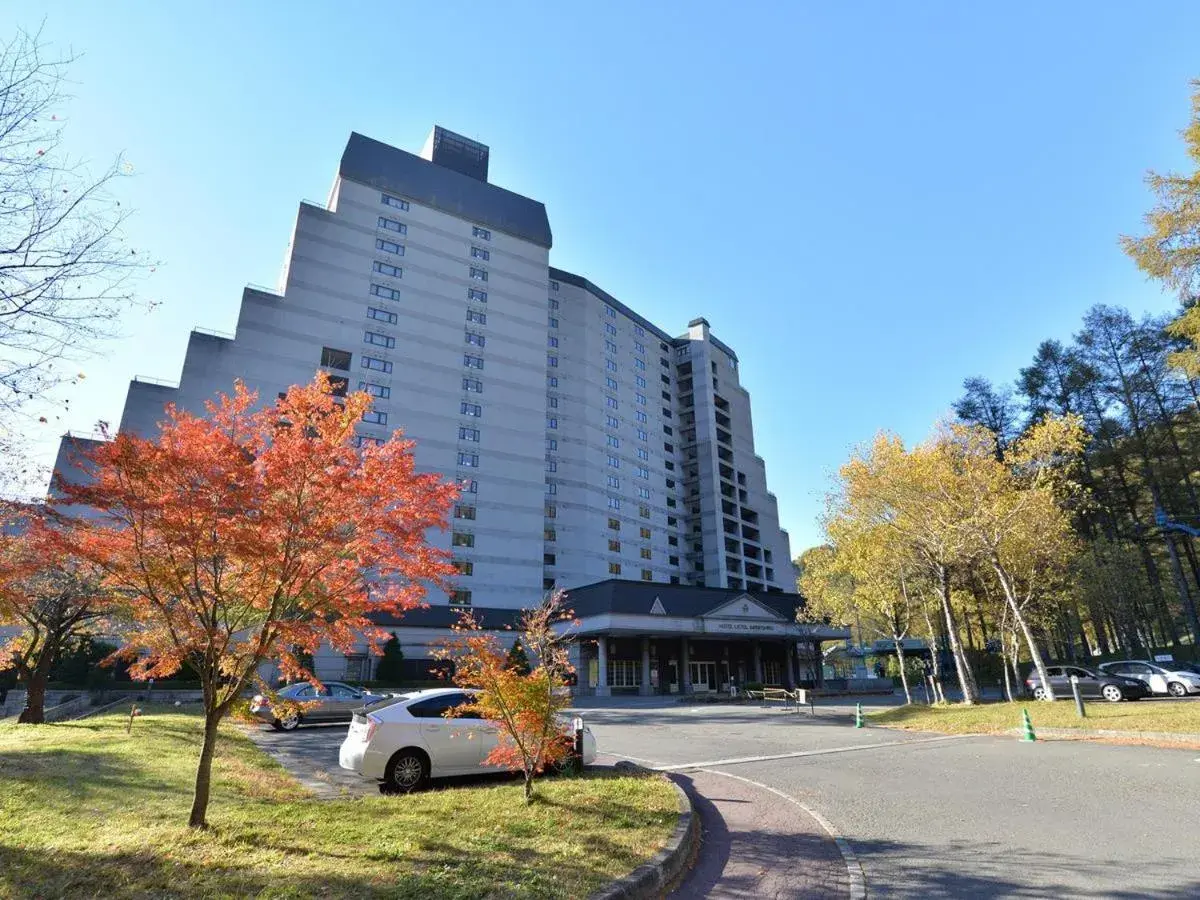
(1093, 684)
(335, 702)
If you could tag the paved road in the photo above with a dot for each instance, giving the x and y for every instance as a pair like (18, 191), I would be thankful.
(932, 817)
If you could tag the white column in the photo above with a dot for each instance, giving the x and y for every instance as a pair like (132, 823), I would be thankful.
(685, 670)
(602, 688)
(644, 689)
(758, 675)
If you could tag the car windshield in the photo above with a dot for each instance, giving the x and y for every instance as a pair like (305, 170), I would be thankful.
(1187, 667)
(387, 701)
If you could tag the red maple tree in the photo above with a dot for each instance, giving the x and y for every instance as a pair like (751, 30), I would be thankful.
(526, 704)
(253, 535)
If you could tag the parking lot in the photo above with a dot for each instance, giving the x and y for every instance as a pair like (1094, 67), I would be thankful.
(924, 815)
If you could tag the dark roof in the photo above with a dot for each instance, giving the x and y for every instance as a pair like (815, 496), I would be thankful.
(637, 597)
(388, 168)
(445, 617)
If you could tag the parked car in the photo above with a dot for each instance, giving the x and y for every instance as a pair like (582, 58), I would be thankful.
(1176, 679)
(1092, 684)
(405, 740)
(335, 702)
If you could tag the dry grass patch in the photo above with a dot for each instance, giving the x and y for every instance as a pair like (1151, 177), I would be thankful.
(1175, 716)
(86, 810)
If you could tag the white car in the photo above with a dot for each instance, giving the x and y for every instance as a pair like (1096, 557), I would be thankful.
(405, 740)
(1176, 679)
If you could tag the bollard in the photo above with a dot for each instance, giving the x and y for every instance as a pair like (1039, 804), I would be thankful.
(1078, 700)
(577, 747)
(1027, 727)
(858, 719)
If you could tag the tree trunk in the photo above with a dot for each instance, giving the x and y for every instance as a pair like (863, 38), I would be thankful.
(212, 719)
(529, 786)
(34, 712)
(1035, 652)
(966, 677)
(903, 675)
(935, 658)
(1185, 595)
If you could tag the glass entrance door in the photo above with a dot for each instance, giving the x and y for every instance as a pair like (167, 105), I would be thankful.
(704, 676)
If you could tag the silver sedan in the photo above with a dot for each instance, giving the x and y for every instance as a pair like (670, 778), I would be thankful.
(334, 702)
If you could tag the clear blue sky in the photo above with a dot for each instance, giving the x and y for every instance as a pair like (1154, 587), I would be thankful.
(869, 201)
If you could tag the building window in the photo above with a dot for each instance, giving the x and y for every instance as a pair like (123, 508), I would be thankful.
(383, 315)
(645, 553)
(610, 347)
(672, 560)
(610, 328)
(551, 511)
(380, 340)
(549, 559)
(612, 402)
(474, 315)
(639, 364)
(640, 398)
(554, 285)
(482, 233)
(477, 340)
(468, 485)
(641, 416)
(387, 269)
(666, 415)
(613, 441)
(387, 293)
(623, 673)
(614, 462)
(389, 247)
(614, 503)
(614, 524)
(614, 481)
(551, 444)
(552, 360)
(614, 546)
(614, 568)
(374, 417)
(379, 365)
(472, 385)
(479, 274)
(461, 539)
(639, 380)
(464, 511)
(470, 409)
(460, 598)
(667, 429)
(668, 448)
(468, 460)
(381, 391)
(611, 421)
(393, 225)
(644, 512)
(639, 347)
(335, 359)
(647, 575)
(552, 465)
(552, 402)
(644, 493)
(551, 341)
(480, 253)
(553, 304)
(551, 487)
(551, 321)
(464, 567)
(639, 330)
(476, 294)
(468, 434)
(549, 534)
(611, 383)
(551, 422)
(551, 381)
(643, 435)
(643, 453)
(363, 440)
(389, 200)
(643, 472)
(472, 362)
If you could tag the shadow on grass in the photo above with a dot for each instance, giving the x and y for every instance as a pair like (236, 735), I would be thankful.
(64, 779)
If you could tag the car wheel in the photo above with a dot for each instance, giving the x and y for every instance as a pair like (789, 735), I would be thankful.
(1175, 689)
(290, 722)
(1112, 693)
(1039, 693)
(407, 771)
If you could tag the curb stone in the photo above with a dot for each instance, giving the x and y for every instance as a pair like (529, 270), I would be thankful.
(655, 877)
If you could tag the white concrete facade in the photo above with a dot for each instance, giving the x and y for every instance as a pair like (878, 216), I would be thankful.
(504, 384)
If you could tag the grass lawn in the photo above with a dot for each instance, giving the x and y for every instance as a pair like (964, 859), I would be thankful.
(87, 811)
(1142, 715)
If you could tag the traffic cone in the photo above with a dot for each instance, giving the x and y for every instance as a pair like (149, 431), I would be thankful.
(1027, 727)
(858, 720)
